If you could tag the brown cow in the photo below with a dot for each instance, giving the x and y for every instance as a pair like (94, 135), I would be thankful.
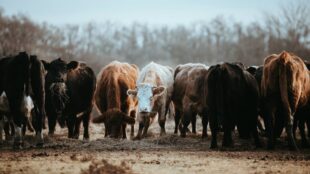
(285, 87)
(111, 98)
(187, 90)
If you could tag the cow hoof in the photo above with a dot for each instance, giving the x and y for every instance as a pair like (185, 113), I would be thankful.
(183, 135)
(213, 146)
(18, 145)
(227, 144)
(204, 136)
(39, 145)
(86, 139)
(270, 147)
(305, 144)
(292, 148)
(8, 138)
(258, 145)
(51, 134)
(137, 138)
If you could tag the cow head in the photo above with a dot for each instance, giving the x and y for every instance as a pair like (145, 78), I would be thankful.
(147, 95)
(55, 83)
(113, 120)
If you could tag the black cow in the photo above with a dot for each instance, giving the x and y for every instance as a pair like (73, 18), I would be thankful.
(257, 72)
(69, 92)
(22, 80)
(232, 99)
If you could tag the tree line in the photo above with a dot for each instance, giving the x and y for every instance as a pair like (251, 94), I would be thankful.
(218, 40)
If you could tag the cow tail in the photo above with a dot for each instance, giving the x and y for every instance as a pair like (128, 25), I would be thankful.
(219, 90)
(283, 82)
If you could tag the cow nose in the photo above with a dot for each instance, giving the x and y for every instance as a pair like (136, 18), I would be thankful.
(144, 109)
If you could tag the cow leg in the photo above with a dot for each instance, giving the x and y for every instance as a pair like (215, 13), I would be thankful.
(6, 128)
(214, 130)
(76, 129)
(269, 122)
(228, 127)
(105, 132)
(1, 128)
(186, 118)
(18, 133)
(132, 130)
(204, 125)
(254, 130)
(177, 118)
(141, 127)
(193, 121)
(261, 129)
(301, 126)
(86, 119)
(38, 126)
(162, 120)
(9, 130)
(295, 126)
(124, 131)
(51, 124)
(289, 131)
(308, 126)
(142, 120)
(146, 126)
(24, 127)
(71, 120)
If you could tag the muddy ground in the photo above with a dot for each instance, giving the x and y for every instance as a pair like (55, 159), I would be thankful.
(158, 155)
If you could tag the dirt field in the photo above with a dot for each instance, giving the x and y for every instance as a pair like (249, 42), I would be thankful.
(158, 155)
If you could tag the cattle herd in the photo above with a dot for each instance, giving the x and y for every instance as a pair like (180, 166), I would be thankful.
(257, 100)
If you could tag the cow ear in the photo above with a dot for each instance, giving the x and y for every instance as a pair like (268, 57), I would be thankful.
(251, 70)
(99, 119)
(128, 119)
(158, 90)
(45, 64)
(132, 92)
(72, 65)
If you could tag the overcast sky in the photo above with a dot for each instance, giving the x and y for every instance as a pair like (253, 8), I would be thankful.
(155, 12)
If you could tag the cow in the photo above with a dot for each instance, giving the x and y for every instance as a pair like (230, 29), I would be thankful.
(301, 117)
(116, 108)
(285, 87)
(154, 91)
(232, 98)
(7, 125)
(257, 72)
(188, 87)
(22, 81)
(69, 95)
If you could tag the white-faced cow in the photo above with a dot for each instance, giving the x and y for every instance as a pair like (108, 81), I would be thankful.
(154, 90)
(22, 82)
